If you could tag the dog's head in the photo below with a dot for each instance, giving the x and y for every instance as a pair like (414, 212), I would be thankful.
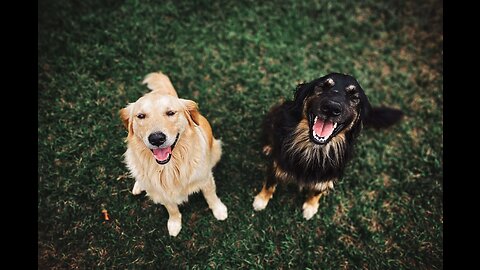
(158, 121)
(333, 105)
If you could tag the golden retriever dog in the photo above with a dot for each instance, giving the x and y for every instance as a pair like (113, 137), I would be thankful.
(171, 150)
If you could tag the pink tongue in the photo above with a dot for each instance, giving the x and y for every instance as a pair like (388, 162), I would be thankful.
(322, 128)
(161, 154)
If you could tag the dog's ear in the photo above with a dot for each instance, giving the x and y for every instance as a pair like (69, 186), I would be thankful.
(301, 92)
(125, 116)
(365, 106)
(192, 113)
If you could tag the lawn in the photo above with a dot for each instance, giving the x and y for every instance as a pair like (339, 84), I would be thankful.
(236, 59)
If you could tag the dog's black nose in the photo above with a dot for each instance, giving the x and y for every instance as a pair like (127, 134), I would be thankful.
(332, 108)
(157, 138)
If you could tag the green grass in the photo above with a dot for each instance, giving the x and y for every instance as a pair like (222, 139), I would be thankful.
(236, 59)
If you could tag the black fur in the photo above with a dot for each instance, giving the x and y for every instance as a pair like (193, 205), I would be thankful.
(282, 128)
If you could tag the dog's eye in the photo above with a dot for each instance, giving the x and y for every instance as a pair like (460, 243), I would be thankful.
(171, 113)
(318, 90)
(355, 99)
(141, 115)
(353, 93)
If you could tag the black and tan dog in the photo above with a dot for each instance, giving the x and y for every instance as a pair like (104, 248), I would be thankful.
(310, 139)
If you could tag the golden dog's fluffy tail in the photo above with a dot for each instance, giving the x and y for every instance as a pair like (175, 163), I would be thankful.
(157, 81)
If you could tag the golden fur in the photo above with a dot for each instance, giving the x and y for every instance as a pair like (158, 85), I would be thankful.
(157, 81)
(193, 156)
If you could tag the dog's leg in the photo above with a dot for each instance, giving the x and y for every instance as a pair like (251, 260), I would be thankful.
(174, 224)
(218, 208)
(137, 188)
(262, 198)
(310, 207)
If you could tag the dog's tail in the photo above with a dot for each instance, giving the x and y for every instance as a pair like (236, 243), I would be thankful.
(382, 117)
(157, 81)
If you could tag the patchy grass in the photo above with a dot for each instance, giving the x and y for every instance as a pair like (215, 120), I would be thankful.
(236, 59)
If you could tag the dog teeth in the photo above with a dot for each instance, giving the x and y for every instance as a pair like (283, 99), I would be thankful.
(318, 138)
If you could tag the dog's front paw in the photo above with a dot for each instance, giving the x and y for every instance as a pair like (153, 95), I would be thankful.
(174, 226)
(309, 210)
(220, 211)
(137, 188)
(259, 203)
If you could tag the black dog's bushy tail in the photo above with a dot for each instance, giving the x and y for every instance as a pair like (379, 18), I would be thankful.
(382, 117)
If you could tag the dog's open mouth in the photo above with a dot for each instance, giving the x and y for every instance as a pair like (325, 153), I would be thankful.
(322, 130)
(164, 154)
